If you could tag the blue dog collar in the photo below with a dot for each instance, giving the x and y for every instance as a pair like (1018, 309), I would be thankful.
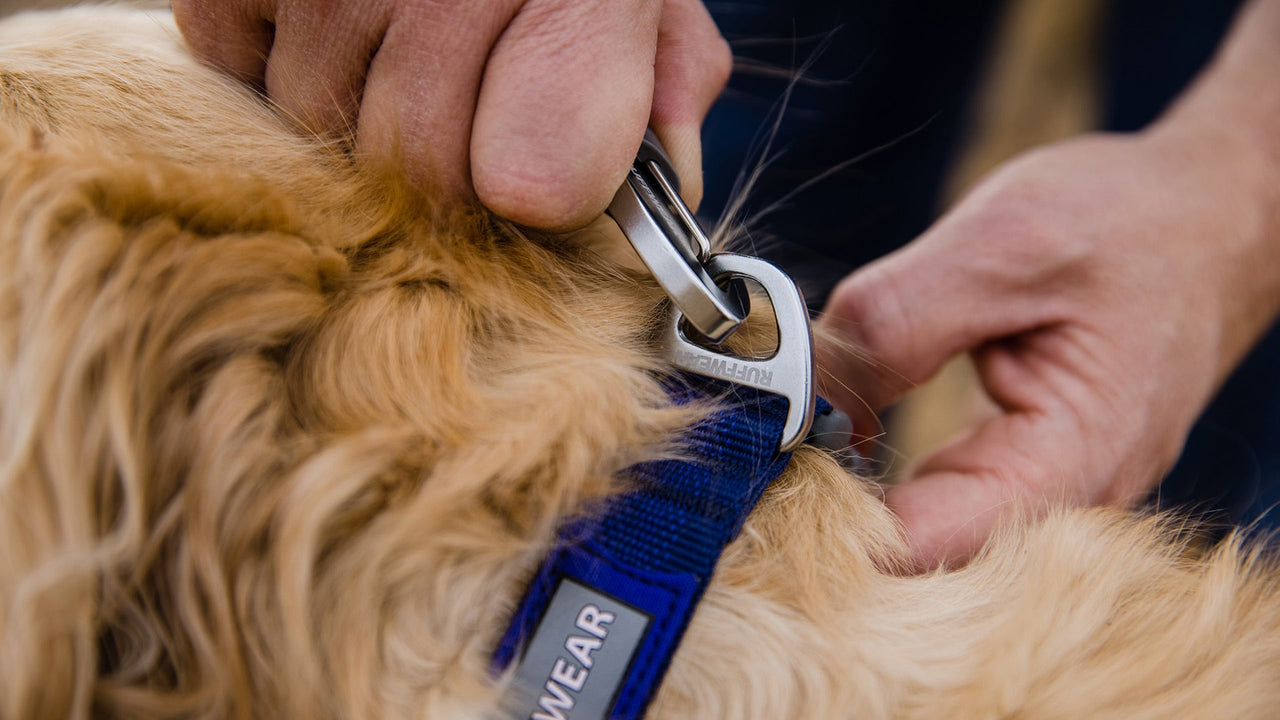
(602, 618)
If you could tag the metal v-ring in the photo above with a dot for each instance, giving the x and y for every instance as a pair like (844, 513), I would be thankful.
(788, 371)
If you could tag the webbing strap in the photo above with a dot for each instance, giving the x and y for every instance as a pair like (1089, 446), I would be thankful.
(600, 621)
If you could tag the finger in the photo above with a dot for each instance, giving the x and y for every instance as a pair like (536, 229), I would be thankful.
(900, 318)
(692, 66)
(562, 109)
(420, 94)
(321, 52)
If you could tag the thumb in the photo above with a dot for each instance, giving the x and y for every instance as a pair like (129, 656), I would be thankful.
(1011, 467)
(947, 516)
(999, 474)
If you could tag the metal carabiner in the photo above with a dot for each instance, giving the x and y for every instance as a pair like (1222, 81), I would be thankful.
(710, 294)
(673, 246)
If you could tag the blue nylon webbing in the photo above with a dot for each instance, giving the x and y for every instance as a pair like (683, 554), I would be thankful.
(651, 553)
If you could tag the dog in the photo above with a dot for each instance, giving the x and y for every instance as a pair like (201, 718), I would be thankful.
(281, 439)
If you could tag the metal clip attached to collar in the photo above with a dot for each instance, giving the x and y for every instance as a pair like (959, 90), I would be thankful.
(669, 240)
(709, 292)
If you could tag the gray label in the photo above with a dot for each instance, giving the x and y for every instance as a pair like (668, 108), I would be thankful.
(578, 656)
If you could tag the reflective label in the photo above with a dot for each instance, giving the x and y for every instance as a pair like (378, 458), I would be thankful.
(578, 656)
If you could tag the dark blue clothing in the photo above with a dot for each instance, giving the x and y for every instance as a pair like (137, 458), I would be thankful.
(895, 78)
(882, 73)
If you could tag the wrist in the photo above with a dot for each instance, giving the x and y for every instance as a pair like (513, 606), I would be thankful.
(1231, 194)
(1225, 131)
(1237, 96)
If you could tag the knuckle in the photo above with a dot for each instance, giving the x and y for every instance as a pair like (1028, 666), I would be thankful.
(882, 313)
(718, 62)
(868, 309)
(693, 43)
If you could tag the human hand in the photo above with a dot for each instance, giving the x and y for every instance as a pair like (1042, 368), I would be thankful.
(1104, 288)
(536, 107)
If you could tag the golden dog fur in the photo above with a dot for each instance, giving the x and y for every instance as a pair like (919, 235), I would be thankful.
(278, 442)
